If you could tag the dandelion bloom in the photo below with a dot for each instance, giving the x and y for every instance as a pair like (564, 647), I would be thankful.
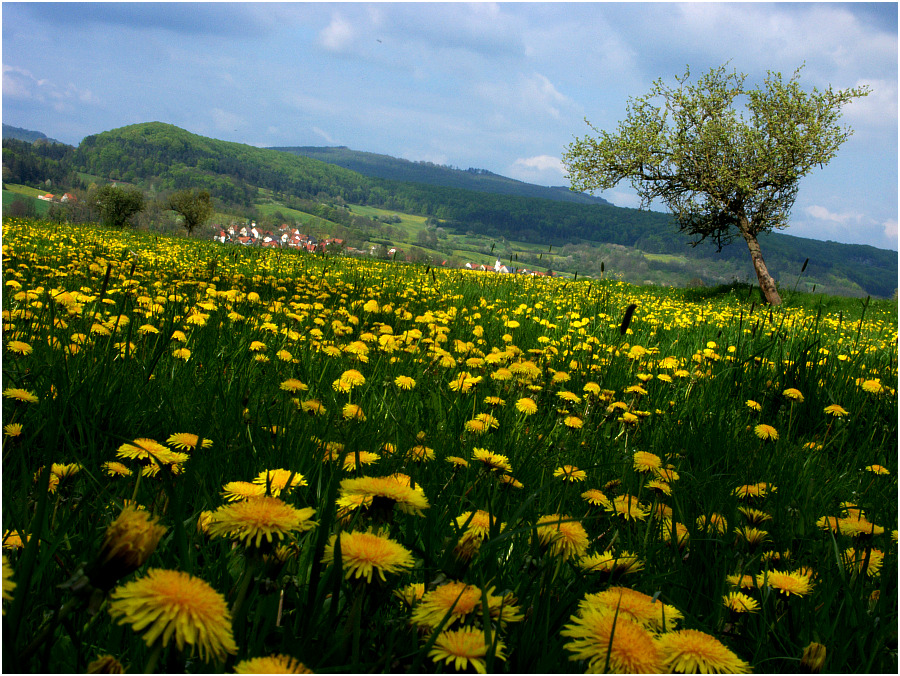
(766, 432)
(170, 603)
(266, 517)
(187, 441)
(13, 430)
(293, 385)
(511, 481)
(690, 651)
(755, 516)
(739, 602)
(273, 664)
(19, 347)
(646, 462)
(759, 490)
(364, 553)
(628, 507)
(609, 562)
(242, 490)
(606, 640)
(526, 405)
(852, 526)
(868, 561)
(813, 658)
(348, 380)
(635, 605)
(20, 395)
(793, 393)
(387, 489)
(573, 422)
(564, 536)
(713, 522)
(787, 583)
(476, 526)
(128, 543)
(411, 593)
(420, 453)
(284, 355)
(365, 458)
(753, 405)
(463, 648)
(493, 461)
(457, 461)
(456, 600)
(404, 382)
(873, 386)
(570, 473)
(595, 497)
(878, 469)
(313, 407)
(277, 480)
(836, 411)
(353, 412)
(182, 353)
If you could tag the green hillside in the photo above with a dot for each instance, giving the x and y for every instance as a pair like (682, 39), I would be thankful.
(436, 221)
(396, 169)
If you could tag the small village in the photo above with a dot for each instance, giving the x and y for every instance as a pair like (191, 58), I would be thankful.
(292, 238)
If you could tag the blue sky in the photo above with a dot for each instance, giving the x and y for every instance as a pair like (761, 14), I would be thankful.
(504, 87)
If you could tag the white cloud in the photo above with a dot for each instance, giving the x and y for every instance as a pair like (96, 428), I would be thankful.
(541, 163)
(823, 214)
(890, 233)
(20, 83)
(338, 35)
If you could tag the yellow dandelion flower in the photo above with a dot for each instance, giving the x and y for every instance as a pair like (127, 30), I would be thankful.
(404, 382)
(813, 658)
(353, 412)
(573, 422)
(753, 405)
(348, 380)
(168, 604)
(636, 606)
(389, 490)
(105, 664)
(19, 347)
(251, 520)
(766, 432)
(293, 385)
(878, 469)
(526, 405)
(365, 458)
(313, 407)
(127, 544)
(493, 461)
(457, 461)
(785, 583)
(866, 560)
(465, 647)
(690, 651)
(187, 441)
(273, 664)
(739, 602)
(628, 507)
(20, 395)
(365, 553)
(836, 410)
(182, 353)
(595, 497)
(411, 593)
(612, 642)
(793, 393)
(278, 480)
(564, 536)
(570, 473)
(242, 490)
(609, 562)
(13, 430)
(494, 401)
(645, 461)
(873, 386)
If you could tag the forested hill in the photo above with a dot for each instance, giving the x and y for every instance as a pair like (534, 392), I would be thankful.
(160, 158)
(10, 132)
(396, 169)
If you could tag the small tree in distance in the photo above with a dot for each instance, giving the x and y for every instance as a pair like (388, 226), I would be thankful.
(117, 205)
(194, 207)
(720, 173)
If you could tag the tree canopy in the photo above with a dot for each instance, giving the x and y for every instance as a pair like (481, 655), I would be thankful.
(721, 172)
(117, 205)
(193, 206)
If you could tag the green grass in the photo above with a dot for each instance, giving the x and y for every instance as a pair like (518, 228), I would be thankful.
(674, 382)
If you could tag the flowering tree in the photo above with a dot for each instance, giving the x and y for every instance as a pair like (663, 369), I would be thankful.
(720, 172)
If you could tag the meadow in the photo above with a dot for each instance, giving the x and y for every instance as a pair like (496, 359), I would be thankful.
(218, 458)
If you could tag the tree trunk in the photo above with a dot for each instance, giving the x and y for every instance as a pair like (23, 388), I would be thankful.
(766, 283)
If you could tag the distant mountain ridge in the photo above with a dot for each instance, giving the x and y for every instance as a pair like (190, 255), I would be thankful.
(396, 169)
(26, 135)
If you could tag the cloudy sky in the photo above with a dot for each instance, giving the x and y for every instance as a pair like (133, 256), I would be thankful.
(498, 86)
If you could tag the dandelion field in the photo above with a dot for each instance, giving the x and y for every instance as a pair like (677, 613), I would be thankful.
(222, 459)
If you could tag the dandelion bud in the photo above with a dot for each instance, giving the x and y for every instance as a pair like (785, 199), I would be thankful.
(128, 543)
(813, 658)
(105, 664)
